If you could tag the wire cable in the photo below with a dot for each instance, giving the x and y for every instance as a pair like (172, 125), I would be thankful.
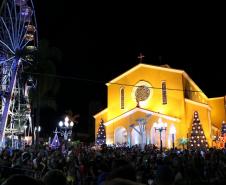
(103, 82)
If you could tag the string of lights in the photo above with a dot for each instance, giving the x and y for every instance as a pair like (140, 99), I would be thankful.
(102, 82)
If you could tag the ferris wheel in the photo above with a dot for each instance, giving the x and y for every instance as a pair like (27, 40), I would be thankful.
(18, 43)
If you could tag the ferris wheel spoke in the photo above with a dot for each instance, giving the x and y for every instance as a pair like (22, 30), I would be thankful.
(3, 61)
(21, 33)
(26, 18)
(22, 47)
(12, 26)
(18, 30)
(26, 61)
(15, 23)
(32, 4)
(22, 40)
(10, 38)
(3, 43)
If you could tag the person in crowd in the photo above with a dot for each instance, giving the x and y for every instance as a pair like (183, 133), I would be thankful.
(55, 177)
(88, 165)
(22, 180)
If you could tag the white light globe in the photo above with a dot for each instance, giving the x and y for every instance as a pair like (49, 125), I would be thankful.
(61, 123)
(172, 130)
(71, 124)
(165, 124)
(66, 119)
(66, 124)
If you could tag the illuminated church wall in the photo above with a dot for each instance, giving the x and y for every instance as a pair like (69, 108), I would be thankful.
(218, 113)
(192, 91)
(183, 97)
(154, 77)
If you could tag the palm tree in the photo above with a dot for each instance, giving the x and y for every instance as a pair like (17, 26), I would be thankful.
(72, 116)
(43, 96)
(183, 142)
(47, 84)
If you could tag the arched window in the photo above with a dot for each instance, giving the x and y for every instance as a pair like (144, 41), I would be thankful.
(164, 95)
(122, 97)
(135, 136)
(120, 136)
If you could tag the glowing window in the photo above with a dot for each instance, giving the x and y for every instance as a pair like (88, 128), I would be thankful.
(164, 96)
(122, 97)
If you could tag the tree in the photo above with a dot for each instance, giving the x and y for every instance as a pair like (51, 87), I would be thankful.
(101, 134)
(47, 85)
(197, 138)
(72, 116)
(183, 142)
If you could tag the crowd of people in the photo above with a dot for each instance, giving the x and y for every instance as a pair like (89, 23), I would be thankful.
(87, 165)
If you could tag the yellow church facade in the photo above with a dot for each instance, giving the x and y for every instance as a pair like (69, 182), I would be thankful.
(146, 95)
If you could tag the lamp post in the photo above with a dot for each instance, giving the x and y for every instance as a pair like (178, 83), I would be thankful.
(37, 129)
(25, 135)
(160, 126)
(66, 128)
(25, 128)
(173, 132)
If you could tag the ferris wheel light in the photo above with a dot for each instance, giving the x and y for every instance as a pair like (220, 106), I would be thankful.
(30, 48)
(29, 37)
(30, 28)
(20, 2)
(26, 11)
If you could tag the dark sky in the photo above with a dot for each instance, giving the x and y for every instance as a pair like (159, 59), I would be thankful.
(101, 42)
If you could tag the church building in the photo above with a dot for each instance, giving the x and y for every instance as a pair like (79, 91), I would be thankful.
(158, 105)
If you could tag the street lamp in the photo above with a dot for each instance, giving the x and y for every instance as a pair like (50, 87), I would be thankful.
(160, 126)
(66, 128)
(173, 132)
(37, 129)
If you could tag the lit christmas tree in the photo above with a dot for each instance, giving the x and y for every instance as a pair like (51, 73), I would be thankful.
(101, 134)
(55, 142)
(197, 139)
(223, 129)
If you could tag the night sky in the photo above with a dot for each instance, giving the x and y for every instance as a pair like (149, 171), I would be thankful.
(99, 43)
